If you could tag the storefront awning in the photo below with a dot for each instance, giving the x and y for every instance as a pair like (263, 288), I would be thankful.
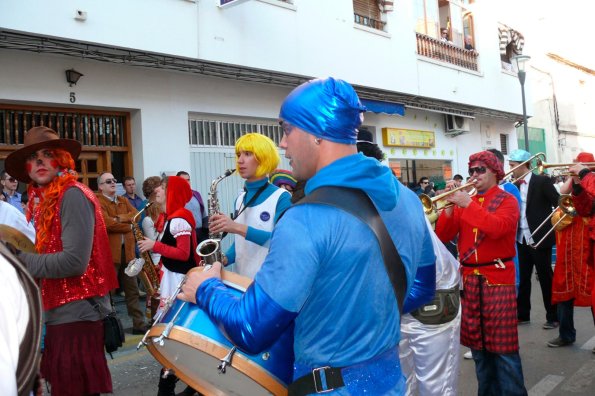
(377, 106)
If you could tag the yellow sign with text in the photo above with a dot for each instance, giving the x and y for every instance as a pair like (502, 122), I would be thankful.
(396, 137)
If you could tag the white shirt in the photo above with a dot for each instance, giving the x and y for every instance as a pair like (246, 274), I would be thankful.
(14, 316)
(12, 217)
(524, 231)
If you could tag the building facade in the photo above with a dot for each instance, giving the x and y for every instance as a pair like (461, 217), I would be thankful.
(169, 85)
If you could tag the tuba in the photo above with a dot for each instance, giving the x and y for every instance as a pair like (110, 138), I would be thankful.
(148, 274)
(210, 249)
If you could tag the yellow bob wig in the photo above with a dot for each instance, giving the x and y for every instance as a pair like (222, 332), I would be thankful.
(264, 150)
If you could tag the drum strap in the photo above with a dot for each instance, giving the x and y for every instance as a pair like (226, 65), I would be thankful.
(357, 203)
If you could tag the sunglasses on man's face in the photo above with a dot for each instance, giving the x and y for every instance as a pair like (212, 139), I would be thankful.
(480, 170)
(11, 179)
(110, 181)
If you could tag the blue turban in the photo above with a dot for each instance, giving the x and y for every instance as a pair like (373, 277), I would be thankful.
(327, 108)
(519, 155)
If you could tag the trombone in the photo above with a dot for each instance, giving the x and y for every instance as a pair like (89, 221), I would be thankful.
(539, 157)
(542, 166)
(566, 205)
(433, 205)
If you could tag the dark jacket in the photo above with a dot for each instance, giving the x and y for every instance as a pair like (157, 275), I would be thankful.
(542, 198)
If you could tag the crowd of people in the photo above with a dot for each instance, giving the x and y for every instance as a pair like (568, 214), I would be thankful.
(376, 303)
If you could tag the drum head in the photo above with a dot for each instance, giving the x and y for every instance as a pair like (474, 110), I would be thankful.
(195, 360)
(16, 238)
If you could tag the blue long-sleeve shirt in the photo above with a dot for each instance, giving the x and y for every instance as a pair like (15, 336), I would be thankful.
(325, 270)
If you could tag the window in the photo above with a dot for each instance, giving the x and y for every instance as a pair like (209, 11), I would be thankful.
(204, 132)
(511, 44)
(432, 16)
(504, 144)
(426, 13)
(371, 13)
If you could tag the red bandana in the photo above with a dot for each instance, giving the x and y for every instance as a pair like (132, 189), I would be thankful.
(490, 160)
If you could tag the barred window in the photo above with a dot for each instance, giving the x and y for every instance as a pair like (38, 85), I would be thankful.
(504, 144)
(225, 133)
(91, 129)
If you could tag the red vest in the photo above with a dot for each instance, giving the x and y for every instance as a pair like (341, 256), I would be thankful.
(100, 276)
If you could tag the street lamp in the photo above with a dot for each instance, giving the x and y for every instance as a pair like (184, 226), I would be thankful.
(519, 62)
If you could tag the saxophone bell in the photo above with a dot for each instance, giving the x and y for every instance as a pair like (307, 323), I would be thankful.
(209, 251)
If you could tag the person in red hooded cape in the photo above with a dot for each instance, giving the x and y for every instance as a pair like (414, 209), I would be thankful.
(176, 245)
(573, 273)
(583, 197)
(72, 261)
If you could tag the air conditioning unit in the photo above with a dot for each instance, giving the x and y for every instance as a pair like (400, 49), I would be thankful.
(456, 125)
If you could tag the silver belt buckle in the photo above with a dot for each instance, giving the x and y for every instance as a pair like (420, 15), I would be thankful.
(316, 387)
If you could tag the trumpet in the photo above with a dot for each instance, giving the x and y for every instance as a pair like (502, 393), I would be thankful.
(542, 166)
(566, 205)
(433, 205)
(539, 158)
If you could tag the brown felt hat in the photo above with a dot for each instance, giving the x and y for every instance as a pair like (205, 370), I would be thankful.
(38, 138)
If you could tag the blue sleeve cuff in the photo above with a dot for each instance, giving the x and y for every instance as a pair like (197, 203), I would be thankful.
(423, 288)
(257, 236)
(253, 322)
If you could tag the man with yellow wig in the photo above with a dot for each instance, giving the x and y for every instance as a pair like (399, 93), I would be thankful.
(257, 208)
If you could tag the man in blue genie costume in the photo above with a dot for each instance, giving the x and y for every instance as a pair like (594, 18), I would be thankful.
(325, 269)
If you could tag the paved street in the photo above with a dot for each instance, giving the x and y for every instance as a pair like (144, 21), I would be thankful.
(555, 372)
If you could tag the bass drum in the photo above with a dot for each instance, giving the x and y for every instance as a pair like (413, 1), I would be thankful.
(194, 349)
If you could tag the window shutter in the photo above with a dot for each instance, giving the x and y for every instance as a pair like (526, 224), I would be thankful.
(367, 8)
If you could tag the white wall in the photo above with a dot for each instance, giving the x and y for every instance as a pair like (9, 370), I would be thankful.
(164, 26)
(311, 38)
(159, 101)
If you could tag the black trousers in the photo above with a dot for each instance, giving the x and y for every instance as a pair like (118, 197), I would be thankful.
(541, 259)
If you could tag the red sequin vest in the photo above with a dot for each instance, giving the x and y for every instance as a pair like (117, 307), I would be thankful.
(100, 276)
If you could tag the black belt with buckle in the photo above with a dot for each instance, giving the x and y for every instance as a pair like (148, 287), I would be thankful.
(504, 260)
(314, 382)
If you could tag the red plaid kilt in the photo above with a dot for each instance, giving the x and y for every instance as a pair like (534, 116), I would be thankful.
(489, 318)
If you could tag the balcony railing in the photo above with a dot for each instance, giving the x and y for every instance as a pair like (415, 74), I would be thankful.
(446, 52)
(369, 22)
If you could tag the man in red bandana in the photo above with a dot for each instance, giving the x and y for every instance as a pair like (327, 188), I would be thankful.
(72, 261)
(486, 224)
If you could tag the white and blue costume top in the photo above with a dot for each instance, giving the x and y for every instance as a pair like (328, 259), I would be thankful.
(325, 272)
(260, 216)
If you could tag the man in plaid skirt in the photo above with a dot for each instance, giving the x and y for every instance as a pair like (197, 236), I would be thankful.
(486, 225)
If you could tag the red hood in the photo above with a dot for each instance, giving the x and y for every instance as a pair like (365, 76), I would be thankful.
(178, 195)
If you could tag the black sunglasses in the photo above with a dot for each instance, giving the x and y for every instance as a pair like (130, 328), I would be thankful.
(11, 179)
(110, 181)
(479, 169)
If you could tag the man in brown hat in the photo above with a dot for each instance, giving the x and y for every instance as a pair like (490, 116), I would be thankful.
(72, 261)
(118, 214)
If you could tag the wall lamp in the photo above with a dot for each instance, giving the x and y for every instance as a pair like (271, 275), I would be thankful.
(72, 76)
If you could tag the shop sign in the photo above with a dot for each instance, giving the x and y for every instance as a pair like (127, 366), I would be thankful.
(397, 137)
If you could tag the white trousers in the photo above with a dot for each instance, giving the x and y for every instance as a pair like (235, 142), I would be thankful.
(430, 356)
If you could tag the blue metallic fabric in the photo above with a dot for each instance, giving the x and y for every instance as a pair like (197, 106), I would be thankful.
(252, 322)
(327, 108)
(423, 288)
(380, 375)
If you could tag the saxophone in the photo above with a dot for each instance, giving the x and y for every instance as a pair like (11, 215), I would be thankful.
(148, 274)
(210, 249)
